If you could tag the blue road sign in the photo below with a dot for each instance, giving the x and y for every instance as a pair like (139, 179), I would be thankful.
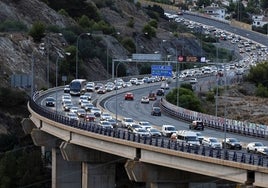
(161, 70)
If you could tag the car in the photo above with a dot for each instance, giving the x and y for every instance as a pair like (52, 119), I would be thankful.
(152, 96)
(197, 125)
(200, 137)
(88, 106)
(66, 89)
(101, 90)
(133, 81)
(193, 81)
(88, 95)
(160, 92)
(232, 143)
(134, 127)
(74, 109)
(129, 96)
(113, 122)
(212, 142)
(145, 99)
(89, 117)
(98, 85)
(168, 130)
(105, 116)
(81, 112)
(164, 86)
(50, 101)
(96, 111)
(263, 151)
(72, 116)
(67, 107)
(142, 132)
(156, 111)
(154, 132)
(85, 103)
(145, 124)
(82, 98)
(105, 124)
(126, 122)
(254, 147)
(66, 97)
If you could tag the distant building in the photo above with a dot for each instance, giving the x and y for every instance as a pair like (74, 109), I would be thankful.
(259, 20)
(215, 11)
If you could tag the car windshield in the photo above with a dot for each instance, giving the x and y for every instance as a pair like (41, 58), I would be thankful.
(259, 144)
(214, 140)
(129, 120)
(170, 128)
(233, 140)
(191, 138)
(157, 109)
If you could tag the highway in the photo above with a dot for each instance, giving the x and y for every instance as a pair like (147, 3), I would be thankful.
(142, 112)
(260, 38)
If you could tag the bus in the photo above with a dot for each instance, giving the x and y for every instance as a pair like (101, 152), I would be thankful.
(77, 87)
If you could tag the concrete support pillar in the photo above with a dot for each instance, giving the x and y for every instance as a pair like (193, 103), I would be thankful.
(162, 177)
(27, 125)
(65, 174)
(98, 175)
(261, 179)
(41, 138)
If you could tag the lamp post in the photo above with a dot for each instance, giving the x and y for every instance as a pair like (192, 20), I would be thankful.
(57, 72)
(32, 70)
(76, 57)
(116, 69)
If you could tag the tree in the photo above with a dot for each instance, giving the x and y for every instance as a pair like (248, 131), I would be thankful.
(264, 4)
(37, 31)
(259, 74)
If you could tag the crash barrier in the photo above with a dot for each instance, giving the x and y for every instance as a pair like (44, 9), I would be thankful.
(220, 123)
(163, 142)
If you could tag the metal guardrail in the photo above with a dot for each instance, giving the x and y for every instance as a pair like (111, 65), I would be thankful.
(219, 123)
(163, 142)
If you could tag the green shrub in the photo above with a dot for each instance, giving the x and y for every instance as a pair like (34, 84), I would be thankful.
(153, 23)
(129, 44)
(210, 96)
(37, 31)
(131, 22)
(63, 12)
(149, 30)
(9, 25)
(262, 91)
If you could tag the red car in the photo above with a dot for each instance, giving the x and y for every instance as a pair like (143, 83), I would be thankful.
(129, 96)
(90, 117)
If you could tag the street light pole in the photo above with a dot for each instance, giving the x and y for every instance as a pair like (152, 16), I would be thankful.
(76, 56)
(116, 69)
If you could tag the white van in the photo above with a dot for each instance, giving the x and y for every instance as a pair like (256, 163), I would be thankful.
(188, 137)
(168, 130)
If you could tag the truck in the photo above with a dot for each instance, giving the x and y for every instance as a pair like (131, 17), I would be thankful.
(168, 130)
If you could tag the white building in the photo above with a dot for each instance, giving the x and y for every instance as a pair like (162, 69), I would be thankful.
(215, 11)
(259, 20)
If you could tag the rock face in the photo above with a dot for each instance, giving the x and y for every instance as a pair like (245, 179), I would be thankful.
(30, 11)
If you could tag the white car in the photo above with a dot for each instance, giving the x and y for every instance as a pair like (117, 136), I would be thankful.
(212, 143)
(145, 99)
(255, 147)
(126, 122)
(145, 124)
(105, 116)
(193, 81)
(142, 132)
(106, 124)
